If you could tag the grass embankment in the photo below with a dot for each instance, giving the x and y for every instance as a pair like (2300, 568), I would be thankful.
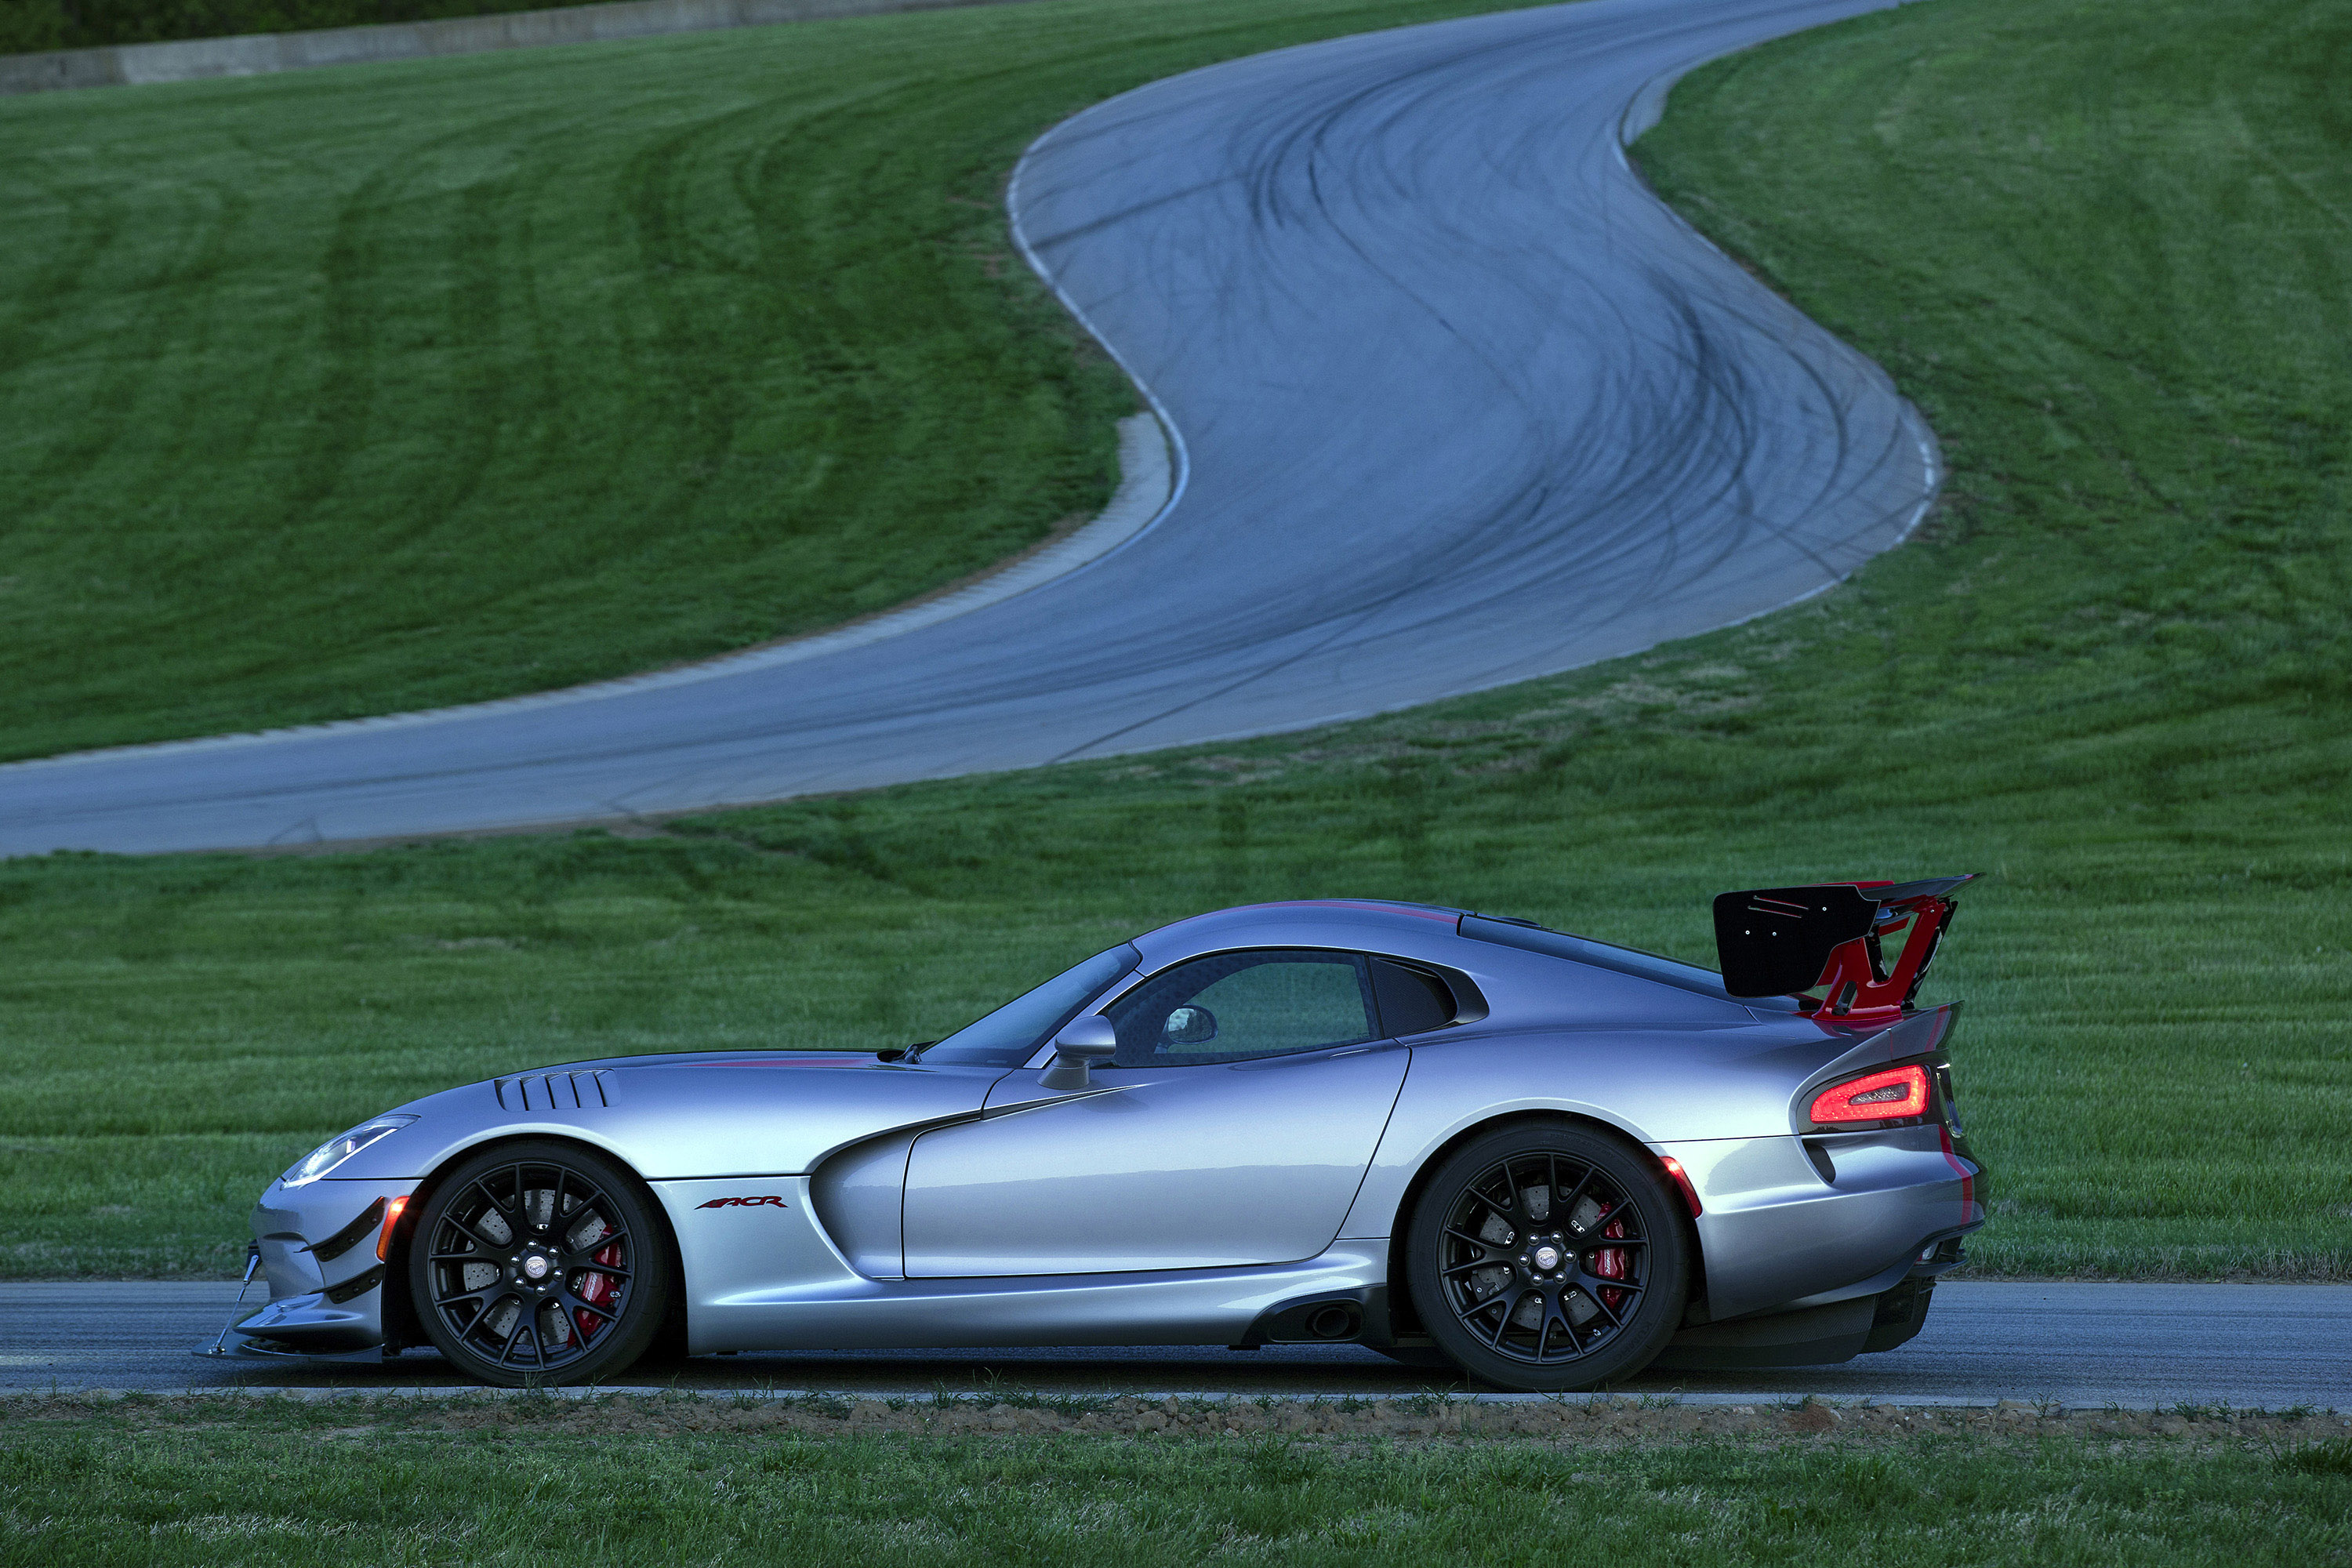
(341, 393)
(493, 1481)
(2105, 247)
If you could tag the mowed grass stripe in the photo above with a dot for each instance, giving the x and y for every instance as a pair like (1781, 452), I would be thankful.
(2114, 671)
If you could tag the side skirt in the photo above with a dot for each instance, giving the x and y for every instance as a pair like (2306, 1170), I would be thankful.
(1207, 1307)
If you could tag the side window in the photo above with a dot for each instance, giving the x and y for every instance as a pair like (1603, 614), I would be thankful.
(1237, 1005)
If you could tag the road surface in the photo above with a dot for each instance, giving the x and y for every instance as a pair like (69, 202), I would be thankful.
(2133, 1345)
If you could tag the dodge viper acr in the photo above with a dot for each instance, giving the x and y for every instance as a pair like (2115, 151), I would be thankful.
(1546, 1160)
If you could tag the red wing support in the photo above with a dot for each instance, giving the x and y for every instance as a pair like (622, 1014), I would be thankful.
(1831, 938)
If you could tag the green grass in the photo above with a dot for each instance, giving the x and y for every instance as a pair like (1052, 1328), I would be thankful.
(345, 391)
(32, 25)
(268, 1484)
(2104, 247)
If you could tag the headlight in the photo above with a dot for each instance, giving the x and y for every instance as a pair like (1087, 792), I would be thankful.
(335, 1150)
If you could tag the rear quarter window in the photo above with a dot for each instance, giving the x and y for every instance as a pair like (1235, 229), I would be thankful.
(1410, 1002)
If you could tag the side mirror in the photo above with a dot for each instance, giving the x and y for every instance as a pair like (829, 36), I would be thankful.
(1082, 1043)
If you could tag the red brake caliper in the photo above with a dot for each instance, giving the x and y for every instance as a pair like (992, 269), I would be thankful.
(1610, 1262)
(597, 1289)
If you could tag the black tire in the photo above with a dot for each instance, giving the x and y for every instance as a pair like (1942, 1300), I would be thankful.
(539, 1263)
(1549, 1257)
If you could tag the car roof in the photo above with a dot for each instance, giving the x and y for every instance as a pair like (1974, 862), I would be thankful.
(1299, 922)
(1517, 973)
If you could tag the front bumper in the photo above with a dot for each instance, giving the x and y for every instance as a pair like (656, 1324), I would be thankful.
(318, 1247)
(251, 1351)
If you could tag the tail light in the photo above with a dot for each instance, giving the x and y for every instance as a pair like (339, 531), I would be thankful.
(1888, 1095)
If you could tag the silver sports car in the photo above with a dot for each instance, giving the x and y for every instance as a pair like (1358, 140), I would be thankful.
(1546, 1160)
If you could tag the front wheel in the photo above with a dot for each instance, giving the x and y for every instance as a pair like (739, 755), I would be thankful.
(1549, 1257)
(539, 1264)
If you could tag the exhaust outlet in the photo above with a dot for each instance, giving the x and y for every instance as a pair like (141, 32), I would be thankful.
(1338, 1321)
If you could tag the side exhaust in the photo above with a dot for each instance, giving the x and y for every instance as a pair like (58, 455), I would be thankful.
(1318, 1320)
(1339, 1320)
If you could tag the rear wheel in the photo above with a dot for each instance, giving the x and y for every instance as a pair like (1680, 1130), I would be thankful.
(538, 1263)
(1549, 1257)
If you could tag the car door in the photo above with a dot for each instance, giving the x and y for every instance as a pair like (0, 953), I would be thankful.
(1232, 1127)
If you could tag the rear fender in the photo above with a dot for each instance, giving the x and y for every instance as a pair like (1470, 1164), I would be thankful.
(1649, 1086)
(1776, 1229)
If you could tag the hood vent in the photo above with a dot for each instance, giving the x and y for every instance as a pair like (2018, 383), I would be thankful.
(556, 1090)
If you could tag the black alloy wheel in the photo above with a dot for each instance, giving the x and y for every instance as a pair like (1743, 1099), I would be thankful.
(538, 1263)
(1549, 1257)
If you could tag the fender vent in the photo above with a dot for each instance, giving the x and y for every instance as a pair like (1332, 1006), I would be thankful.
(555, 1091)
(351, 1236)
(357, 1285)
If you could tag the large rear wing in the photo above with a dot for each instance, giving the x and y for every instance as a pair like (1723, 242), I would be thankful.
(1831, 938)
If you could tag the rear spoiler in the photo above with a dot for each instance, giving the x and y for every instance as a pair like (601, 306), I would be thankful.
(1778, 941)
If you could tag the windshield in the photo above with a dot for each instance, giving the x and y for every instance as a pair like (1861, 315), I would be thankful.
(1006, 1037)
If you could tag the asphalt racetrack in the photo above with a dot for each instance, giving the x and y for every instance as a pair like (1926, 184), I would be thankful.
(2132, 1345)
(1455, 402)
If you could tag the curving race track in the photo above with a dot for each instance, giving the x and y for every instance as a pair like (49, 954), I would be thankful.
(1457, 403)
